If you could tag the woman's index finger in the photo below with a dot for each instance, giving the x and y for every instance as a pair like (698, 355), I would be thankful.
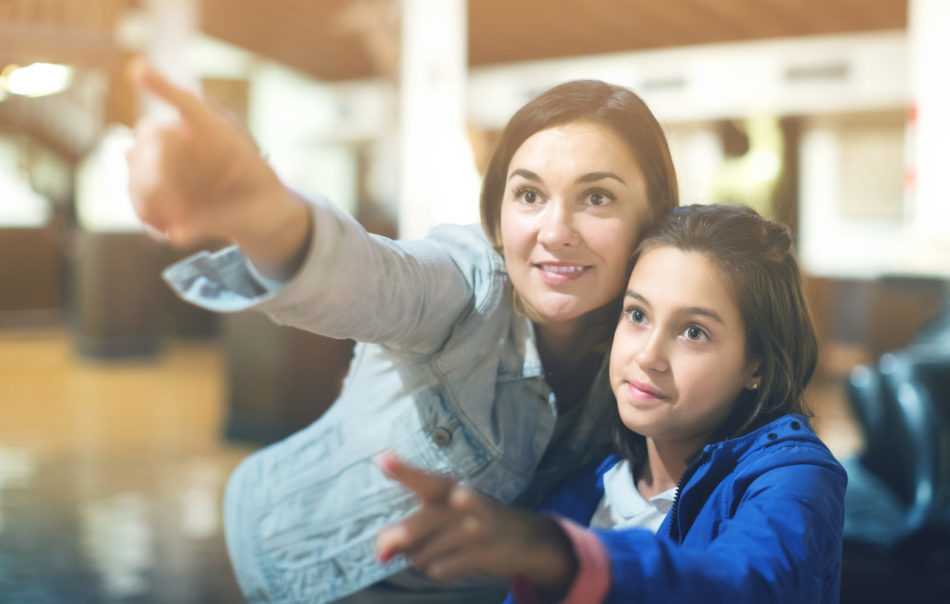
(189, 106)
(428, 486)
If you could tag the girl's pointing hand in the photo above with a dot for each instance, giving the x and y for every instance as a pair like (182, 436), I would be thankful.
(458, 532)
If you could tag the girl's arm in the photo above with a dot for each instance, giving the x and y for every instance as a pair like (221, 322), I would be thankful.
(783, 545)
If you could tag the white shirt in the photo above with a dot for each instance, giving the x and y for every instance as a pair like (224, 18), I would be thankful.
(622, 505)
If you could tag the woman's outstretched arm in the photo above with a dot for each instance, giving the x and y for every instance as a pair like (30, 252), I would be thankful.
(201, 177)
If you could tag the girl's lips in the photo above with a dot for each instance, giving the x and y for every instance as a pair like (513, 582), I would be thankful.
(645, 392)
(556, 274)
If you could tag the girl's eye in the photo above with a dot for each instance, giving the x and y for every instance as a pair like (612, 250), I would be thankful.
(695, 334)
(636, 315)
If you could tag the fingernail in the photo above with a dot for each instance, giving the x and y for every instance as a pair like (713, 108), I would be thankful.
(384, 461)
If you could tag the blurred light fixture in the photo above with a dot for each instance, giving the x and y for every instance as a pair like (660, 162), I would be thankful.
(764, 165)
(38, 79)
(4, 93)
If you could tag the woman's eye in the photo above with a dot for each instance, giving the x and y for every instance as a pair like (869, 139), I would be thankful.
(599, 198)
(526, 195)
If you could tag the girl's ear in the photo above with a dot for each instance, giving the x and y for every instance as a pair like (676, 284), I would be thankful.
(754, 369)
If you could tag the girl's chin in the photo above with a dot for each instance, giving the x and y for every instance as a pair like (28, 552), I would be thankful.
(637, 421)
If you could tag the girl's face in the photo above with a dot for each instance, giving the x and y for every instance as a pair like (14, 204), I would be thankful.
(575, 203)
(678, 360)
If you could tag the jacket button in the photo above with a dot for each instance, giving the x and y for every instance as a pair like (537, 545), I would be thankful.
(441, 437)
(772, 436)
(795, 425)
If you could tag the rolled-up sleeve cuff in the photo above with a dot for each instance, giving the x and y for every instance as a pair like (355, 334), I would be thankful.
(222, 281)
(592, 581)
(227, 281)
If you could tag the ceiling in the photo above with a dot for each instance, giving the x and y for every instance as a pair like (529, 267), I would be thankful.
(347, 39)
(341, 39)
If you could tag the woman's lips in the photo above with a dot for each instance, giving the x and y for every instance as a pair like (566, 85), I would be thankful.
(556, 274)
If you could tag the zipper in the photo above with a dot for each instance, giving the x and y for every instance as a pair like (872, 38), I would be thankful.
(693, 467)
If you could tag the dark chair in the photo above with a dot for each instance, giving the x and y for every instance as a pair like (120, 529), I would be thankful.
(899, 407)
(897, 508)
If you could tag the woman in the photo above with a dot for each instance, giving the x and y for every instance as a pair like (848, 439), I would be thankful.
(709, 364)
(482, 358)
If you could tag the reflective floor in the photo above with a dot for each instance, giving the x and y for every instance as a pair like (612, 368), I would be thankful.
(111, 475)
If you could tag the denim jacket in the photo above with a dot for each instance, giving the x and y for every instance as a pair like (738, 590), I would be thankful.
(446, 375)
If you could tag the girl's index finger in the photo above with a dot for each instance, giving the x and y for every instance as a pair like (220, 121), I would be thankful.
(189, 106)
(429, 487)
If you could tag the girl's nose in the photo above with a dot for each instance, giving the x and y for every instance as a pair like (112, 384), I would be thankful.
(652, 356)
(558, 228)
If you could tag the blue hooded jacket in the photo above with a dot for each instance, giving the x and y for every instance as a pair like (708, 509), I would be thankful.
(756, 519)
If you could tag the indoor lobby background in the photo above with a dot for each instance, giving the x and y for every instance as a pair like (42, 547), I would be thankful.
(123, 409)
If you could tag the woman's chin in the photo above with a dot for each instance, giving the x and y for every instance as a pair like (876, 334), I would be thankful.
(564, 310)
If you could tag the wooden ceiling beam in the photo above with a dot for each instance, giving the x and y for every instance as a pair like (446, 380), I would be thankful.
(23, 44)
(300, 35)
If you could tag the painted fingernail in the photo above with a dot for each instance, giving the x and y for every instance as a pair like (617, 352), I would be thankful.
(386, 462)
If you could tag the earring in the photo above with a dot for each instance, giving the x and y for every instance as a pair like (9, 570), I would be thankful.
(755, 386)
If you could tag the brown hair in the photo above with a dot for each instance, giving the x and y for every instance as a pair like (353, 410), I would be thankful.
(757, 257)
(616, 107)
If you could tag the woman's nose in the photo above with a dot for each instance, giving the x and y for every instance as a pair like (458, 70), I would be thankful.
(558, 228)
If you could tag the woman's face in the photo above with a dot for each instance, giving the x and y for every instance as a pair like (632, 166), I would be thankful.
(678, 360)
(574, 205)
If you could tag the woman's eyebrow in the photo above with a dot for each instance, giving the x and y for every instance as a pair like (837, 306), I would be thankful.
(594, 176)
(525, 174)
(589, 177)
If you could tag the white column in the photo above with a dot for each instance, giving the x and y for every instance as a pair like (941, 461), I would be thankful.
(929, 145)
(174, 26)
(163, 33)
(437, 178)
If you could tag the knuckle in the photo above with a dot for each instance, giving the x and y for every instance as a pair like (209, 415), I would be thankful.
(462, 498)
(471, 524)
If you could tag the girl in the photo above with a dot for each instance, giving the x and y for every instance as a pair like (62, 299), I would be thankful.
(479, 357)
(709, 362)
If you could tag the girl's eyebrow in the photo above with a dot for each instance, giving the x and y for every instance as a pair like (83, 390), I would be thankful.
(705, 312)
(633, 294)
(589, 177)
(689, 310)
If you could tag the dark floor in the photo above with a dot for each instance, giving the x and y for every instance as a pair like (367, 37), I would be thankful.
(111, 475)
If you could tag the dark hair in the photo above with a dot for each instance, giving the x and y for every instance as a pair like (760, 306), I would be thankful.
(757, 257)
(618, 108)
